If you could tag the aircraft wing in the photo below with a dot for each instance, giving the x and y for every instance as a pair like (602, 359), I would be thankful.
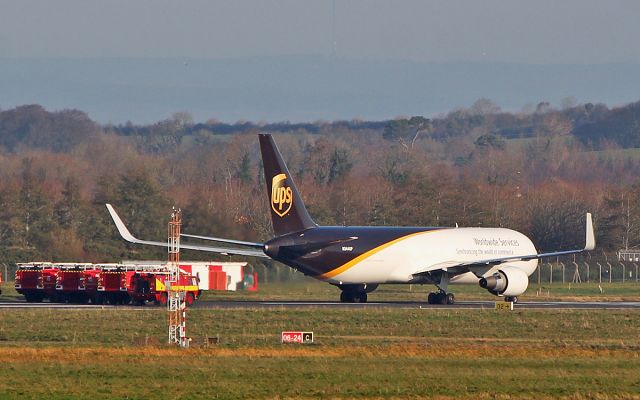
(222, 240)
(484, 265)
(126, 235)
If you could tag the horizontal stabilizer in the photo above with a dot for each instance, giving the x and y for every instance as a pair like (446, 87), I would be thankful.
(126, 235)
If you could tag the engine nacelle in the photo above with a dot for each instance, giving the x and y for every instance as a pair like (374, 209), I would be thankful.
(508, 281)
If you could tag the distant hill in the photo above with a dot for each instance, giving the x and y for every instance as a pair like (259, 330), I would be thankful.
(595, 125)
(32, 126)
(297, 88)
(620, 126)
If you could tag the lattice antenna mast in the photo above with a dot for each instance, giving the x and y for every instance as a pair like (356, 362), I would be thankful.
(176, 304)
(173, 244)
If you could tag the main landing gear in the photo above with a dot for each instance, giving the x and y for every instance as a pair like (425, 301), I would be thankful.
(441, 297)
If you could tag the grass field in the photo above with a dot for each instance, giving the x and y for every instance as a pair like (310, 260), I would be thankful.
(363, 353)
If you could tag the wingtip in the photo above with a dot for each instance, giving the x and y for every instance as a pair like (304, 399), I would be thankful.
(590, 240)
(122, 229)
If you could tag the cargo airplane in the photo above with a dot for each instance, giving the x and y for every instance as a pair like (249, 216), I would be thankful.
(357, 259)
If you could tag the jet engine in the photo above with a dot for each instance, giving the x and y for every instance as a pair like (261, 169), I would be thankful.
(508, 281)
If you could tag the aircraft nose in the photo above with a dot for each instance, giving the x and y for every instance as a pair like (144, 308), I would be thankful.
(271, 249)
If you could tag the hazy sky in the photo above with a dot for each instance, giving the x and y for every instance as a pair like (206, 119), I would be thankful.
(544, 32)
(302, 60)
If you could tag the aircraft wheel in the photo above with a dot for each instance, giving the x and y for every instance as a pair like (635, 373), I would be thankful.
(442, 298)
(512, 299)
(347, 297)
(190, 299)
(431, 299)
(362, 297)
(450, 298)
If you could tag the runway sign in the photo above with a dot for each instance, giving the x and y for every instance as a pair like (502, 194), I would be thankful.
(504, 305)
(297, 337)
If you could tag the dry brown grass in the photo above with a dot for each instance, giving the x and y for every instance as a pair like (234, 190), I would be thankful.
(434, 351)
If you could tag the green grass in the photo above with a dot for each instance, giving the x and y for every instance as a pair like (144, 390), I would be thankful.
(359, 353)
(9, 292)
(364, 353)
(260, 327)
(205, 375)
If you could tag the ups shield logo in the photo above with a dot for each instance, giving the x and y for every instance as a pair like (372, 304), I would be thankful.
(281, 195)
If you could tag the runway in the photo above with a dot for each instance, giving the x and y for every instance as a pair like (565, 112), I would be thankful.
(24, 304)
(549, 305)
(552, 305)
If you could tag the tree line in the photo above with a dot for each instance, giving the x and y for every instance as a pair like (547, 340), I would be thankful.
(537, 171)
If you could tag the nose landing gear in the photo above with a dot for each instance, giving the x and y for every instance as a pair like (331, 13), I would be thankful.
(512, 299)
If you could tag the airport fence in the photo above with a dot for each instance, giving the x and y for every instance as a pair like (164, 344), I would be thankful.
(583, 271)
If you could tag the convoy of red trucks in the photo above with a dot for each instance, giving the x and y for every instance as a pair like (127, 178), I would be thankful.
(125, 283)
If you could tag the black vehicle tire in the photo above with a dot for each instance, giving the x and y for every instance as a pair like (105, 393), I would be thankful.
(450, 298)
(431, 299)
(512, 299)
(190, 299)
(362, 297)
(125, 299)
(346, 297)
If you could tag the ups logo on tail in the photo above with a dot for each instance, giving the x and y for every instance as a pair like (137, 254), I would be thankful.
(281, 195)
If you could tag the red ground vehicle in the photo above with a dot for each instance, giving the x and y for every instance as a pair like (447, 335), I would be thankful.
(123, 283)
(29, 283)
(47, 283)
(68, 286)
(89, 281)
(113, 286)
(151, 286)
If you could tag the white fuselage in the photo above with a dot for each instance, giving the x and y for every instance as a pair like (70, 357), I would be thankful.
(434, 250)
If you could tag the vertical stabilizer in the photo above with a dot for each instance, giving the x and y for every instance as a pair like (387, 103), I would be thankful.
(288, 213)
